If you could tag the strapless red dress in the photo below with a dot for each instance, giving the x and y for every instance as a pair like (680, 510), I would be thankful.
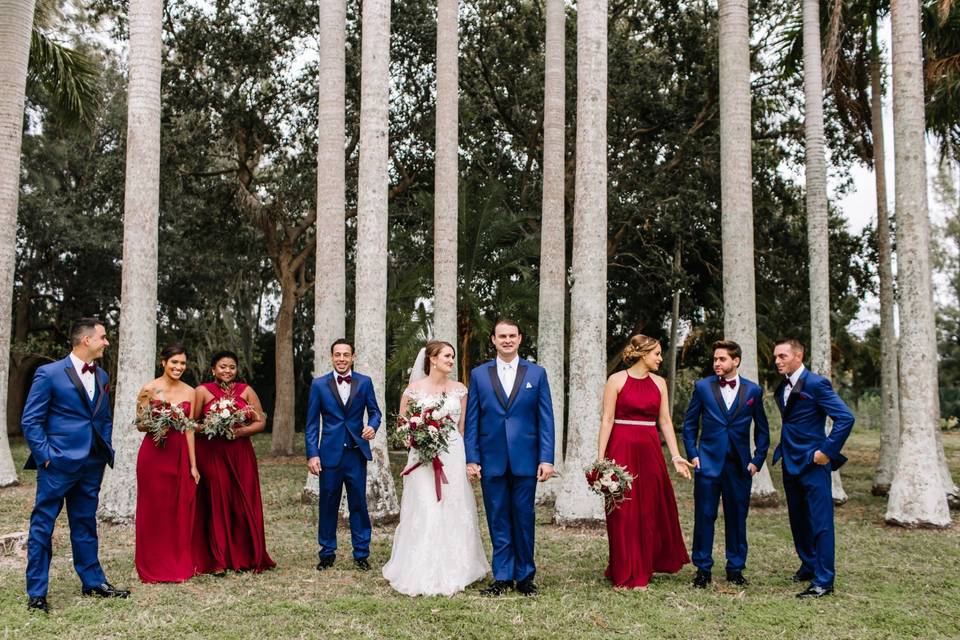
(228, 531)
(644, 531)
(166, 500)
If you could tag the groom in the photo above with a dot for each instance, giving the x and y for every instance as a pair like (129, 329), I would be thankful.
(508, 437)
(67, 424)
(340, 454)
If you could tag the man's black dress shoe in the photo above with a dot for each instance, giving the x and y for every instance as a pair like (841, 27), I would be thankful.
(528, 588)
(736, 577)
(498, 588)
(105, 590)
(39, 603)
(326, 562)
(813, 591)
(702, 579)
(361, 564)
(802, 576)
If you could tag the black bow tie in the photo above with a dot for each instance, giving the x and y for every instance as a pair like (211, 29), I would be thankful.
(92, 368)
(342, 379)
(788, 381)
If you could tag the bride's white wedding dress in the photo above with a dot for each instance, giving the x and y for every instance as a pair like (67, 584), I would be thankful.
(436, 547)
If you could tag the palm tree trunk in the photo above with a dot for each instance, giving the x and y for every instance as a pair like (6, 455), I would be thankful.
(818, 236)
(138, 289)
(553, 259)
(284, 406)
(330, 288)
(917, 495)
(674, 327)
(445, 176)
(736, 203)
(588, 295)
(373, 181)
(15, 30)
(889, 392)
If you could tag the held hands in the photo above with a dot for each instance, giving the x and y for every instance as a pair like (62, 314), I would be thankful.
(821, 458)
(544, 472)
(752, 468)
(682, 466)
(313, 465)
(473, 471)
(195, 474)
(368, 433)
(696, 462)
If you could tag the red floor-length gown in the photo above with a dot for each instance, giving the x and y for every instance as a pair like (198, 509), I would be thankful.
(644, 531)
(228, 533)
(166, 499)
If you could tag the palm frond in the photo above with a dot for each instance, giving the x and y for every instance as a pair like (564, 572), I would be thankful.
(68, 78)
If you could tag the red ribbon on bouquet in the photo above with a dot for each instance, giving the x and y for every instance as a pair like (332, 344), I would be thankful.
(439, 477)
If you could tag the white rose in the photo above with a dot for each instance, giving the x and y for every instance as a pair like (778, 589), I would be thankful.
(224, 414)
(416, 420)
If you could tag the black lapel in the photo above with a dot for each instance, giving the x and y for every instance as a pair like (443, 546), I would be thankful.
(101, 392)
(741, 400)
(521, 372)
(497, 387)
(354, 386)
(75, 379)
(715, 387)
(795, 393)
(332, 383)
(778, 395)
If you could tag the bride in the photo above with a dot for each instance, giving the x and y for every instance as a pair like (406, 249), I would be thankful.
(436, 547)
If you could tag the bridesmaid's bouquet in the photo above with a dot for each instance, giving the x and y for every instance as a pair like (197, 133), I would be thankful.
(426, 428)
(159, 417)
(610, 480)
(223, 415)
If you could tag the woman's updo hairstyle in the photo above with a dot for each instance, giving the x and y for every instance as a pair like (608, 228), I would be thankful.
(172, 349)
(639, 346)
(432, 350)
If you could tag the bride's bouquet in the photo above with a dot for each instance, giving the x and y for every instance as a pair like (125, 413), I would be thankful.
(159, 418)
(427, 429)
(610, 480)
(223, 414)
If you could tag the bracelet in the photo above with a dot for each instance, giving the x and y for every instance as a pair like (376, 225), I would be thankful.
(677, 458)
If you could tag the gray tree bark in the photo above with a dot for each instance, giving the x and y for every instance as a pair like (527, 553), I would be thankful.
(15, 29)
(588, 295)
(373, 181)
(917, 493)
(553, 258)
(138, 289)
(736, 204)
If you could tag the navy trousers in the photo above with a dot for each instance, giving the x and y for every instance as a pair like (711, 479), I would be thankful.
(509, 503)
(352, 473)
(810, 505)
(80, 491)
(733, 487)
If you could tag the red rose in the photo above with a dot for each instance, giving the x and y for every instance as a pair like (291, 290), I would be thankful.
(592, 476)
(613, 476)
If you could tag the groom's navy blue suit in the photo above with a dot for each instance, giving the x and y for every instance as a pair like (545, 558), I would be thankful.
(808, 485)
(71, 432)
(724, 453)
(343, 456)
(509, 436)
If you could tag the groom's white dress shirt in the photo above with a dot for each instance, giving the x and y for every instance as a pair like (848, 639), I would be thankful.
(88, 379)
(730, 393)
(343, 387)
(507, 371)
(792, 381)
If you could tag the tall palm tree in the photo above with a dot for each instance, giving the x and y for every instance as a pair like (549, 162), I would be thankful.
(553, 259)
(736, 201)
(917, 496)
(15, 29)
(818, 237)
(138, 289)
(445, 175)
(588, 295)
(330, 288)
(373, 181)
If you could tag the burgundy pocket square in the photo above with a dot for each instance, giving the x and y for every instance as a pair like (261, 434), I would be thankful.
(750, 402)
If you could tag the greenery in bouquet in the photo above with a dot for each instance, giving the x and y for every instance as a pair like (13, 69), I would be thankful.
(608, 479)
(223, 416)
(159, 418)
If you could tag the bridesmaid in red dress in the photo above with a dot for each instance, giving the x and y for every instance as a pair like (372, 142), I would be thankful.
(644, 531)
(167, 480)
(229, 523)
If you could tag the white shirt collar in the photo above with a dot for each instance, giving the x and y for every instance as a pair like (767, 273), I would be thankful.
(348, 373)
(78, 364)
(795, 376)
(503, 363)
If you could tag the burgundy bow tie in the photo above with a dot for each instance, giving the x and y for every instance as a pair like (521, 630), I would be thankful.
(92, 368)
(342, 379)
(728, 383)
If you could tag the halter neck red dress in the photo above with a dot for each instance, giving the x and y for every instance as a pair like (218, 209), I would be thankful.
(228, 531)
(644, 531)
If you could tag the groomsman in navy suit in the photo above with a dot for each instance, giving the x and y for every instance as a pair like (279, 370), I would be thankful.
(809, 455)
(721, 411)
(508, 440)
(339, 454)
(67, 424)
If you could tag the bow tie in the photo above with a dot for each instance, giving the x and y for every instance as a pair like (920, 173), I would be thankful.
(728, 383)
(342, 379)
(92, 368)
(787, 380)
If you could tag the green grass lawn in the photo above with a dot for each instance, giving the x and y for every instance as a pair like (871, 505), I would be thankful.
(891, 583)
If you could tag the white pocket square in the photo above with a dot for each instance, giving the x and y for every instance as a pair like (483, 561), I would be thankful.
(529, 386)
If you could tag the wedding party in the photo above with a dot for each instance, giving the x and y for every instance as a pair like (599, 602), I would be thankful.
(463, 319)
